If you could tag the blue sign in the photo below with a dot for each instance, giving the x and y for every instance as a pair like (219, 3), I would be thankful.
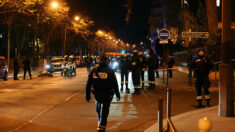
(164, 34)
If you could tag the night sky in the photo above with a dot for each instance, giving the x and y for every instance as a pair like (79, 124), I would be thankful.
(109, 15)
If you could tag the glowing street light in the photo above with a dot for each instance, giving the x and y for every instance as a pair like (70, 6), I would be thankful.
(141, 43)
(76, 18)
(54, 4)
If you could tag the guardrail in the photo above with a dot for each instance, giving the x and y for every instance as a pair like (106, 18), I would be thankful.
(170, 126)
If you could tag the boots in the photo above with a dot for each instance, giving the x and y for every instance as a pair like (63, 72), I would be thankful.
(142, 85)
(199, 103)
(127, 89)
(121, 87)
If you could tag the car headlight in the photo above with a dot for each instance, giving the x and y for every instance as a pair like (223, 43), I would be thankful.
(48, 66)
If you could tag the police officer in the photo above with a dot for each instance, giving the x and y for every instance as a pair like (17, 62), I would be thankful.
(89, 63)
(202, 66)
(152, 65)
(125, 67)
(27, 67)
(135, 68)
(104, 83)
(16, 68)
(142, 66)
(171, 62)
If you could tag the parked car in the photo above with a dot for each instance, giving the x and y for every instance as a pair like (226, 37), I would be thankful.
(3, 69)
(55, 64)
(78, 61)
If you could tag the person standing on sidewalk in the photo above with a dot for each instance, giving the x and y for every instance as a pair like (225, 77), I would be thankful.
(89, 63)
(16, 68)
(142, 66)
(152, 64)
(27, 67)
(125, 68)
(104, 83)
(171, 63)
(202, 66)
(136, 69)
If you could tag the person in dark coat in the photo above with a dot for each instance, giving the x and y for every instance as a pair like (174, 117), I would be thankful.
(201, 67)
(157, 67)
(135, 69)
(171, 63)
(142, 66)
(16, 68)
(89, 63)
(152, 65)
(125, 68)
(104, 83)
(27, 67)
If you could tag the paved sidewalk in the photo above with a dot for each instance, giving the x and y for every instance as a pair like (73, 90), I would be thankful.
(181, 82)
(21, 73)
(189, 121)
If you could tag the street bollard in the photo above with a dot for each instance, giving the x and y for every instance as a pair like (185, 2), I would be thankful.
(204, 125)
(160, 115)
(168, 106)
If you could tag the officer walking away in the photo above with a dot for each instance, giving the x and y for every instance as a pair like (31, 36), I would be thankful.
(88, 63)
(142, 66)
(104, 83)
(202, 66)
(125, 68)
(135, 69)
(27, 67)
(152, 64)
(16, 68)
(171, 63)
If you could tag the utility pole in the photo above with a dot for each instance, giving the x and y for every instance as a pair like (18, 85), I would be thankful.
(9, 45)
(226, 107)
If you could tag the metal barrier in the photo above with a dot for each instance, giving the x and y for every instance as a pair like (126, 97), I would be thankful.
(170, 126)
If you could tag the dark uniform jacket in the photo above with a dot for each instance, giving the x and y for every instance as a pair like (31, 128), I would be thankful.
(135, 63)
(16, 65)
(142, 61)
(124, 64)
(171, 62)
(89, 60)
(201, 67)
(27, 64)
(104, 83)
(152, 62)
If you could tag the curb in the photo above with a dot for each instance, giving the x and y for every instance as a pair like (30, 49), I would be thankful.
(175, 118)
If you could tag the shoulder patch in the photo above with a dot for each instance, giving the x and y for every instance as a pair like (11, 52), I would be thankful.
(103, 75)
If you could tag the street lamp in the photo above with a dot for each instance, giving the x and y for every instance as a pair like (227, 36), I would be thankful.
(76, 18)
(54, 4)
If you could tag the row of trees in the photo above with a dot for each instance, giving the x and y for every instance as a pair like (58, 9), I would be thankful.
(39, 28)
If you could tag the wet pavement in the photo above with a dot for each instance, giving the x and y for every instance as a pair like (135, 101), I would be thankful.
(57, 104)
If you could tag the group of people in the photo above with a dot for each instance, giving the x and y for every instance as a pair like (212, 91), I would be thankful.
(27, 68)
(103, 80)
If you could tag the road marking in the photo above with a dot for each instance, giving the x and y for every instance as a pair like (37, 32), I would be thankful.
(43, 112)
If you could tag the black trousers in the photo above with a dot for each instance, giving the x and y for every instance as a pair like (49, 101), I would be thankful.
(102, 109)
(142, 76)
(15, 74)
(124, 74)
(170, 73)
(205, 83)
(151, 76)
(136, 79)
(29, 70)
(157, 74)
